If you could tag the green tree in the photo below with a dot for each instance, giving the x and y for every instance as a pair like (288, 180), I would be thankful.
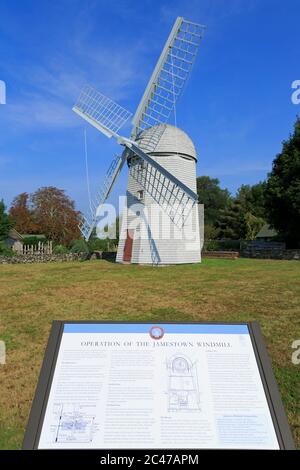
(214, 198)
(282, 193)
(230, 223)
(79, 246)
(252, 199)
(210, 232)
(250, 226)
(105, 242)
(6, 223)
(97, 244)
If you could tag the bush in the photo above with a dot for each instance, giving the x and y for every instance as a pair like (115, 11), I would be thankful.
(211, 245)
(100, 244)
(5, 250)
(210, 232)
(60, 249)
(79, 246)
(230, 245)
(222, 245)
(33, 240)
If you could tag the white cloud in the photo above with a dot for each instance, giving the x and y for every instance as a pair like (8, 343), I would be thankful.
(38, 112)
(48, 90)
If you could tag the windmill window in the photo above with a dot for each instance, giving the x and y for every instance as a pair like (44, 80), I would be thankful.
(140, 166)
(140, 195)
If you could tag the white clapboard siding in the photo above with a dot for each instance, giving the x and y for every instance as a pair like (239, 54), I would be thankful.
(177, 154)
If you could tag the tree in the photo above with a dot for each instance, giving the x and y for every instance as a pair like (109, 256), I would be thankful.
(79, 246)
(231, 221)
(282, 191)
(213, 197)
(6, 223)
(55, 215)
(250, 226)
(95, 243)
(210, 232)
(107, 239)
(23, 215)
(252, 199)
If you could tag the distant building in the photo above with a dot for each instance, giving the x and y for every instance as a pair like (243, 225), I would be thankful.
(266, 234)
(15, 240)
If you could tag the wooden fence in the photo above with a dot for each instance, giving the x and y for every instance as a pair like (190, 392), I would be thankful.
(39, 249)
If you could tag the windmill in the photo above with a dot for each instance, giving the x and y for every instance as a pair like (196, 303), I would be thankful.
(161, 160)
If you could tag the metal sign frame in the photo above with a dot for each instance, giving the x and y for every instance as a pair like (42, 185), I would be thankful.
(39, 405)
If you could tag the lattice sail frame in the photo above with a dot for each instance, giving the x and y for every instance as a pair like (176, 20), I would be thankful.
(169, 76)
(173, 200)
(100, 111)
(89, 222)
(176, 199)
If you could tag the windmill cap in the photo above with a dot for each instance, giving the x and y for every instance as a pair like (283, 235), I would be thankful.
(172, 141)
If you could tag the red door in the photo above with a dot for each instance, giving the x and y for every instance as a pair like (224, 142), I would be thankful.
(128, 246)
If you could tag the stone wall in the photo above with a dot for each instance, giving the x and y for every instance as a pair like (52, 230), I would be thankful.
(221, 254)
(42, 258)
(268, 250)
(271, 253)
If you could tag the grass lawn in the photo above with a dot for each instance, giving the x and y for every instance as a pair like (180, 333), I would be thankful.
(31, 296)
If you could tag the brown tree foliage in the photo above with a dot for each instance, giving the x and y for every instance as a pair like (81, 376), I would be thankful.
(48, 211)
(55, 215)
(22, 214)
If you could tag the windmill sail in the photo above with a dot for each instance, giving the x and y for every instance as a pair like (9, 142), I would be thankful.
(174, 197)
(100, 111)
(90, 222)
(169, 76)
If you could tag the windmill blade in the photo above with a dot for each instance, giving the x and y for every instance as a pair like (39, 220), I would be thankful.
(175, 198)
(169, 76)
(101, 112)
(90, 222)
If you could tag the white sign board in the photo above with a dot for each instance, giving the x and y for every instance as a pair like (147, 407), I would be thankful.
(166, 386)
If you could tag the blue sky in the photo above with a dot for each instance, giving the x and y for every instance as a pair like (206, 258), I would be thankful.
(236, 107)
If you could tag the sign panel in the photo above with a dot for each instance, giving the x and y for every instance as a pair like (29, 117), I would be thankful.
(159, 386)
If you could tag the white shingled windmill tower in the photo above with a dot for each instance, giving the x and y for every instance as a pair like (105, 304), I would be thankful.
(160, 223)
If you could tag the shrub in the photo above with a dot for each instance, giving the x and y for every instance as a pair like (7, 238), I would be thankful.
(60, 249)
(210, 232)
(222, 245)
(100, 244)
(5, 250)
(79, 246)
(33, 240)
(211, 245)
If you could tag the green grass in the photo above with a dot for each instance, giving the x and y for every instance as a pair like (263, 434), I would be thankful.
(31, 296)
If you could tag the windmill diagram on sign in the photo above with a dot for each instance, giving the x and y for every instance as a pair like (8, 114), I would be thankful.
(161, 159)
